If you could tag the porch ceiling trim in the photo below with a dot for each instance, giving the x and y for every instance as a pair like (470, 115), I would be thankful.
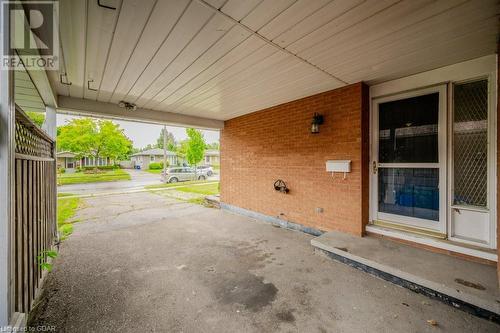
(40, 78)
(85, 107)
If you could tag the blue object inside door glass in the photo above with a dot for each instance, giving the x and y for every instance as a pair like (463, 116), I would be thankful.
(412, 192)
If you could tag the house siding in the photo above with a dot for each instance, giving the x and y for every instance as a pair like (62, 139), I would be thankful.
(276, 143)
(498, 166)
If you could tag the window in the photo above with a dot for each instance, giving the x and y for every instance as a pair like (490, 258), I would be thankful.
(152, 158)
(470, 143)
(408, 130)
(408, 140)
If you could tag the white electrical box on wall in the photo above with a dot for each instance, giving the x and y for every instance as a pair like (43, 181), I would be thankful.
(338, 166)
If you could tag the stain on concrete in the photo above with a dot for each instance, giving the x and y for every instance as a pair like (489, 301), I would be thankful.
(342, 249)
(326, 281)
(469, 284)
(248, 290)
(304, 270)
(286, 316)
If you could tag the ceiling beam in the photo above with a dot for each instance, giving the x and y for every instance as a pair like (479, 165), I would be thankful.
(86, 107)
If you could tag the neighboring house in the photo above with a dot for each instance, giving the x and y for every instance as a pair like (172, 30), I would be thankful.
(212, 157)
(68, 160)
(143, 158)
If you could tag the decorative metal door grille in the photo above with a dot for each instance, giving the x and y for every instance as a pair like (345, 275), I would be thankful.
(470, 143)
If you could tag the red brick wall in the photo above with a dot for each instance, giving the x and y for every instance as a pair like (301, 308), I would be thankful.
(276, 143)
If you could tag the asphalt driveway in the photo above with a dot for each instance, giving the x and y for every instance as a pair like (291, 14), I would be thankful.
(143, 262)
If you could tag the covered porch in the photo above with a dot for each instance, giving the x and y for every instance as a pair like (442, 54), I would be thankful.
(366, 118)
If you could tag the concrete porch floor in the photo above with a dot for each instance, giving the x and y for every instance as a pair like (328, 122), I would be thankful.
(143, 262)
(446, 276)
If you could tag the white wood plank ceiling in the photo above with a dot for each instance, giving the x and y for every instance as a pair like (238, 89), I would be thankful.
(223, 58)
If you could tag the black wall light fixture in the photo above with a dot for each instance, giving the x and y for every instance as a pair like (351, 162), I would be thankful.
(316, 121)
(127, 105)
(280, 186)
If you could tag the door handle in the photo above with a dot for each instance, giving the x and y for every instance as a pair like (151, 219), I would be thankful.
(374, 167)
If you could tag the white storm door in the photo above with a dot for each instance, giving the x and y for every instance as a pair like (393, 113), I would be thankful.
(409, 159)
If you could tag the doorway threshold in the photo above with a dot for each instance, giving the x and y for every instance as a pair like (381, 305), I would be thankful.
(434, 242)
(466, 285)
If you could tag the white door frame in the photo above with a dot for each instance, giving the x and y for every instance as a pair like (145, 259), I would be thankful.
(485, 66)
(438, 226)
(7, 153)
(492, 160)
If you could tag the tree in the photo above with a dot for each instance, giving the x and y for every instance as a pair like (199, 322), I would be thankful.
(171, 144)
(181, 150)
(88, 137)
(148, 147)
(195, 146)
(37, 117)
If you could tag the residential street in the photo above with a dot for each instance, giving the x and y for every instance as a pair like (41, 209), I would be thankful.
(143, 262)
(139, 180)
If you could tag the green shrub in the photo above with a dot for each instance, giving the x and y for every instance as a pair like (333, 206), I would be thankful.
(102, 167)
(61, 170)
(156, 165)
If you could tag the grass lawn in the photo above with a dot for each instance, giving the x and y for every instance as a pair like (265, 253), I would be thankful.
(193, 192)
(60, 195)
(80, 177)
(158, 171)
(66, 208)
(166, 185)
(206, 189)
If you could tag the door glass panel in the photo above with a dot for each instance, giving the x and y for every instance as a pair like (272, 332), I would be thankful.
(470, 143)
(412, 192)
(408, 130)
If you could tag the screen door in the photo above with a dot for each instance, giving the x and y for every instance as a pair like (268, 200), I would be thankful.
(409, 159)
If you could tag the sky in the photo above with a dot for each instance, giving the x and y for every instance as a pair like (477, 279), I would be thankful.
(142, 133)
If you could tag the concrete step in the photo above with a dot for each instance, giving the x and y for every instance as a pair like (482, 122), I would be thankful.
(469, 286)
(213, 200)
